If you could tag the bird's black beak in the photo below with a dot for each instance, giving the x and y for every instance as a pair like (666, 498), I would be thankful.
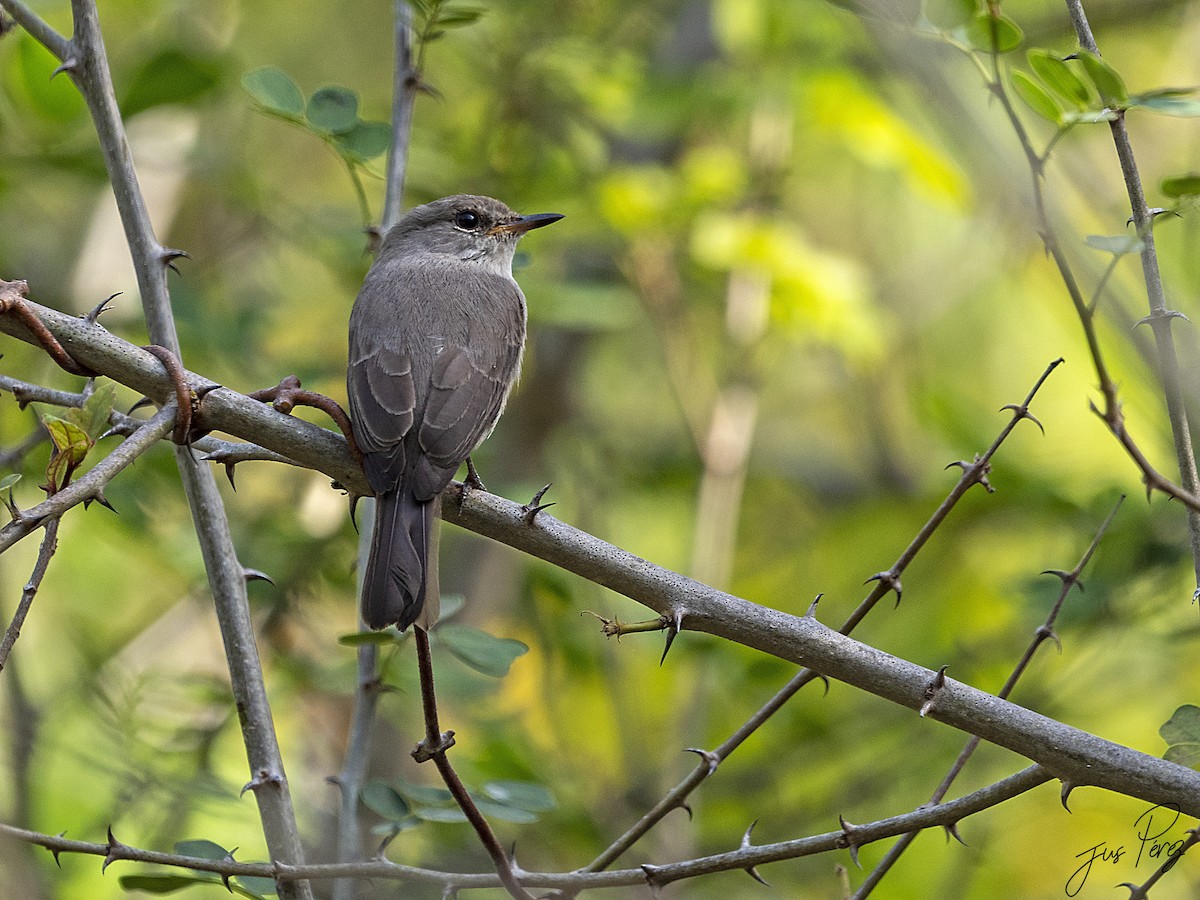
(525, 223)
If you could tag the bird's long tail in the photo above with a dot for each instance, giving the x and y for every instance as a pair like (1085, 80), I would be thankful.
(400, 585)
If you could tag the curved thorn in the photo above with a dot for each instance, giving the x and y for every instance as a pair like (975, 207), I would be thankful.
(952, 832)
(711, 760)
(825, 681)
(256, 575)
(752, 871)
(746, 845)
(812, 607)
(687, 808)
(1067, 787)
(102, 307)
(68, 65)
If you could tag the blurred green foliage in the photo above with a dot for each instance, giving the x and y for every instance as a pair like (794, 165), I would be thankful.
(778, 208)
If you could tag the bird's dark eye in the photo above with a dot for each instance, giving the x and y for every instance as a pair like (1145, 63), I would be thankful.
(467, 219)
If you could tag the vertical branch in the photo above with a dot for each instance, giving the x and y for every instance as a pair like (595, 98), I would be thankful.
(85, 59)
(405, 82)
(1160, 316)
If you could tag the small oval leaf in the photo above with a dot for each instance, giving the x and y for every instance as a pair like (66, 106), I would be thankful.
(1176, 187)
(480, 650)
(523, 794)
(440, 814)
(275, 91)
(358, 638)
(1119, 244)
(257, 885)
(1109, 84)
(332, 109)
(999, 34)
(160, 884)
(1058, 76)
(9, 480)
(1036, 96)
(202, 849)
(366, 140)
(383, 800)
(505, 813)
(1184, 107)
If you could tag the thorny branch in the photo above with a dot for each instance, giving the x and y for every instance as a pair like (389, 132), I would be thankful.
(1111, 413)
(45, 552)
(84, 59)
(886, 582)
(1160, 316)
(745, 857)
(1044, 632)
(434, 747)
(699, 607)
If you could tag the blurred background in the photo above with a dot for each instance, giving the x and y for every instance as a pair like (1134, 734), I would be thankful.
(798, 276)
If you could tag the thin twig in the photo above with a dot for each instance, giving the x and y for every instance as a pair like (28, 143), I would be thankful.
(1160, 317)
(1111, 413)
(434, 747)
(885, 583)
(90, 486)
(45, 553)
(572, 882)
(1043, 633)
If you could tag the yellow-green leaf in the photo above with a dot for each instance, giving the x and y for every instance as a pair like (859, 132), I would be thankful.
(1058, 76)
(1109, 84)
(998, 34)
(1036, 96)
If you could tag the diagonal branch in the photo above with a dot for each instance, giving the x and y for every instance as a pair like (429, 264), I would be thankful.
(885, 582)
(1160, 317)
(85, 60)
(1074, 756)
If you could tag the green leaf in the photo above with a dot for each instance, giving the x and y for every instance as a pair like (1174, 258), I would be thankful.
(56, 99)
(172, 76)
(526, 795)
(257, 885)
(92, 417)
(1176, 187)
(71, 446)
(202, 849)
(1036, 96)
(1168, 105)
(457, 18)
(423, 794)
(358, 638)
(450, 606)
(160, 884)
(1007, 35)
(275, 91)
(1119, 244)
(480, 650)
(951, 14)
(1182, 734)
(505, 813)
(1108, 83)
(1058, 76)
(440, 814)
(9, 480)
(332, 109)
(365, 140)
(383, 800)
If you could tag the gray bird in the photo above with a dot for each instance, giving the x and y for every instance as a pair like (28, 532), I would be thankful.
(436, 336)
